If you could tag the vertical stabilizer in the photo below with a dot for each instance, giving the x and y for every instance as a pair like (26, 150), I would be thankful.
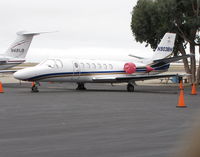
(165, 48)
(20, 47)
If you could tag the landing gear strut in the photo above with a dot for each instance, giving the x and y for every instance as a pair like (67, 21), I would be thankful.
(130, 87)
(81, 86)
(34, 87)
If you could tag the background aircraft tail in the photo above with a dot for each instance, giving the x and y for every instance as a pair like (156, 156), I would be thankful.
(20, 47)
(165, 47)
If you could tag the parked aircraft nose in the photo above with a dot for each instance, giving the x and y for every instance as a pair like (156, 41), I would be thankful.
(20, 75)
(29, 74)
(23, 74)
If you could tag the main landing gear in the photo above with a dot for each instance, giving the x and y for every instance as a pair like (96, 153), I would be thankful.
(34, 87)
(130, 87)
(81, 86)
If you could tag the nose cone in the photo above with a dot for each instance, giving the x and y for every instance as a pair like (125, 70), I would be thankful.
(20, 75)
(30, 74)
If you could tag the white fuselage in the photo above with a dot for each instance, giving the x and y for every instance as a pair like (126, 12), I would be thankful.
(99, 71)
(75, 70)
(9, 62)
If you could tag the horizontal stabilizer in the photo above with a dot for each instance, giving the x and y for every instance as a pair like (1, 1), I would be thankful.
(130, 55)
(32, 33)
(172, 59)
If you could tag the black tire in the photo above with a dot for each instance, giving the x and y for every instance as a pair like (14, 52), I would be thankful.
(34, 89)
(81, 86)
(130, 88)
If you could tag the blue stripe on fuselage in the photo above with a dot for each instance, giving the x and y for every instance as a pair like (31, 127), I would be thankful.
(63, 74)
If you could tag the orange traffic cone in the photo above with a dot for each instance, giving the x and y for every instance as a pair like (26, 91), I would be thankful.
(181, 84)
(194, 91)
(1, 88)
(181, 103)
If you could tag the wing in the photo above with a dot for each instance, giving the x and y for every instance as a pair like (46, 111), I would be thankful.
(135, 78)
(145, 77)
(7, 71)
(169, 60)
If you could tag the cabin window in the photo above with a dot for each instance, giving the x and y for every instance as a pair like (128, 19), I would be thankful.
(93, 66)
(98, 66)
(82, 65)
(88, 65)
(110, 66)
(104, 66)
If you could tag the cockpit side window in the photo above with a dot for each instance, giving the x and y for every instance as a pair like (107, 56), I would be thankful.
(59, 63)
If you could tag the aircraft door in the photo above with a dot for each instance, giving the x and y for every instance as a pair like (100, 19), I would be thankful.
(76, 70)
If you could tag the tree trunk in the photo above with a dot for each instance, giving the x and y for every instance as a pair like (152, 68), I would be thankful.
(198, 70)
(193, 62)
(185, 61)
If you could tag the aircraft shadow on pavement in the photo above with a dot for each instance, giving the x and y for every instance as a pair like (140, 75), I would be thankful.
(70, 90)
(61, 89)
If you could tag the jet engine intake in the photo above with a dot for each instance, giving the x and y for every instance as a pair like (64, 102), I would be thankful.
(130, 68)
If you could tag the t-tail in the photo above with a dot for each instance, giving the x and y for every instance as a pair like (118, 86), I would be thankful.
(165, 47)
(160, 60)
(20, 47)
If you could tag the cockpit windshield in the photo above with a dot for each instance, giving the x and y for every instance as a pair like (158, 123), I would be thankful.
(52, 63)
(49, 62)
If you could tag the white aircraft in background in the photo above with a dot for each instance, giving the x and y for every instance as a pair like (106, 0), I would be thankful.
(84, 71)
(16, 53)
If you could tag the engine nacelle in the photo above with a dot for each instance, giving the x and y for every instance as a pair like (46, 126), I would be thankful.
(149, 69)
(130, 68)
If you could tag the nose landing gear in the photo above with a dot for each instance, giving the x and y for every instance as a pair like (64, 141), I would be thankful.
(34, 87)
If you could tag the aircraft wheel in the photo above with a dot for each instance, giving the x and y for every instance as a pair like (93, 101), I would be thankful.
(81, 86)
(130, 87)
(34, 89)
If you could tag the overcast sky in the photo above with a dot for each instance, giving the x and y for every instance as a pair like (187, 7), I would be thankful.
(84, 26)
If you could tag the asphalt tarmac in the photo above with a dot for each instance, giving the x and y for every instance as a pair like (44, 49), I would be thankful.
(103, 121)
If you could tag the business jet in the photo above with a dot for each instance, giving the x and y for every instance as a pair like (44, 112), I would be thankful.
(16, 53)
(83, 71)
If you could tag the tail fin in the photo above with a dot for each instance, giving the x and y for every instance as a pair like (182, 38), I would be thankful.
(21, 45)
(165, 48)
